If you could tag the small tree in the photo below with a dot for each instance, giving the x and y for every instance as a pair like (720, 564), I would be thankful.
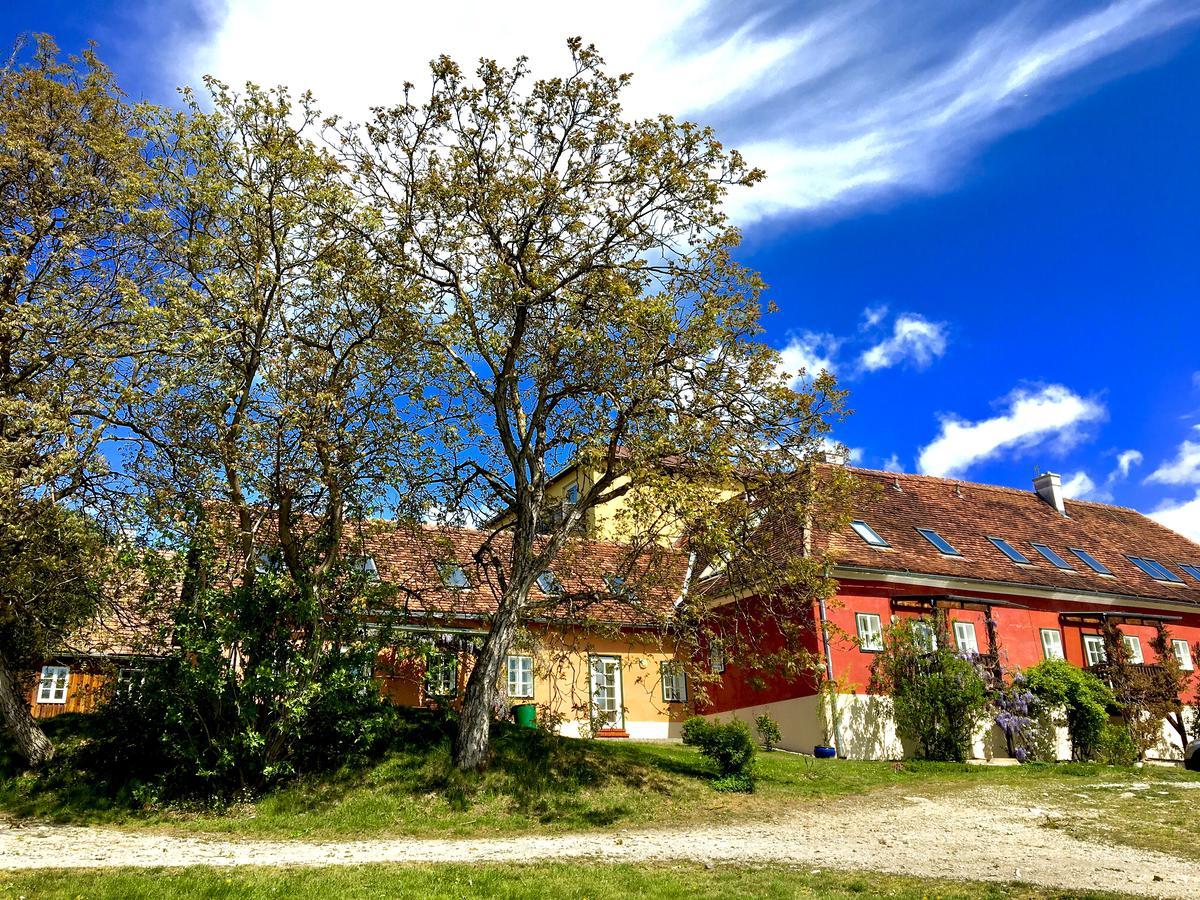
(768, 732)
(938, 697)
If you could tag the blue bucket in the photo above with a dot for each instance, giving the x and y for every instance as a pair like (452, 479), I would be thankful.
(824, 752)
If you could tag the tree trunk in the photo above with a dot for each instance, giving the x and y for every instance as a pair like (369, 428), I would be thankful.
(471, 745)
(31, 741)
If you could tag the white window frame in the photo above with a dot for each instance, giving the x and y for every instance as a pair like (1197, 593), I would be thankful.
(716, 659)
(1183, 652)
(674, 681)
(926, 636)
(1093, 649)
(1052, 649)
(1134, 645)
(520, 676)
(52, 687)
(870, 637)
(441, 675)
(130, 680)
(965, 637)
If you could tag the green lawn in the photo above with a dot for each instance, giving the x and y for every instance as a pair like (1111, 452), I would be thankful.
(542, 784)
(545, 880)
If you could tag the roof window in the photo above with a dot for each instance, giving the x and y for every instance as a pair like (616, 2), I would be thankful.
(453, 576)
(1154, 569)
(1194, 571)
(1090, 561)
(938, 541)
(1053, 557)
(1010, 551)
(549, 584)
(868, 534)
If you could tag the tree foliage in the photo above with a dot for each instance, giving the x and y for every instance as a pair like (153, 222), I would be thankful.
(1084, 699)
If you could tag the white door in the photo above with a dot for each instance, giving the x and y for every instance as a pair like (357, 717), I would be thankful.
(606, 692)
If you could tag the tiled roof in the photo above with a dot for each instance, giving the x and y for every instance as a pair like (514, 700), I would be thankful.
(966, 514)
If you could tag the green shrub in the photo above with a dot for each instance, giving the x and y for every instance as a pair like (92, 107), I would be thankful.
(729, 746)
(768, 732)
(1117, 746)
(1084, 699)
(938, 697)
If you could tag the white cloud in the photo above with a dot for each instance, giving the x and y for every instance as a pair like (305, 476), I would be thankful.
(873, 315)
(1182, 516)
(1081, 487)
(893, 464)
(1050, 417)
(1126, 460)
(1183, 469)
(809, 352)
(839, 103)
(914, 340)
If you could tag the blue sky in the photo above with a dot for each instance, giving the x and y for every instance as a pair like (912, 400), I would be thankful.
(984, 218)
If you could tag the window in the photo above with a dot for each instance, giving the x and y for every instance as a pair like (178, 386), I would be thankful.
(938, 541)
(53, 686)
(453, 576)
(964, 636)
(1010, 551)
(1183, 653)
(926, 639)
(868, 534)
(716, 659)
(573, 494)
(1194, 571)
(1154, 569)
(1093, 649)
(366, 566)
(441, 675)
(1090, 561)
(520, 676)
(870, 632)
(1134, 646)
(549, 584)
(1052, 647)
(674, 683)
(1050, 555)
(616, 584)
(129, 681)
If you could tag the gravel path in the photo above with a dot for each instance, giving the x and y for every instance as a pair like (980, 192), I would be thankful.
(974, 834)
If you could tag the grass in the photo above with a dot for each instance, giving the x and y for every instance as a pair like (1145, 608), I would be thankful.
(514, 881)
(542, 784)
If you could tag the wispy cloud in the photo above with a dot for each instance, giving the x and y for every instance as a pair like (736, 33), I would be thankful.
(806, 356)
(914, 341)
(1182, 516)
(1051, 417)
(1080, 486)
(1126, 460)
(1183, 469)
(840, 102)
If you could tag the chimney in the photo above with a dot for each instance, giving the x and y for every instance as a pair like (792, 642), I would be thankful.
(1049, 487)
(834, 454)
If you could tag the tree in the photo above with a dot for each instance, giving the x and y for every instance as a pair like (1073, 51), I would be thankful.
(73, 212)
(580, 303)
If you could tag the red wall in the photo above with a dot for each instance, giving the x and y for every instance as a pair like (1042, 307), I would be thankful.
(1018, 635)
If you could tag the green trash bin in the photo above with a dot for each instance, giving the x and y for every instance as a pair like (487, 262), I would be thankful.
(525, 715)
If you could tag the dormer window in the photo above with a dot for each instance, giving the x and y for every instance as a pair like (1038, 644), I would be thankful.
(1051, 556)
(453, 576)
(938, 541)
(868, 534)
(1154, 569)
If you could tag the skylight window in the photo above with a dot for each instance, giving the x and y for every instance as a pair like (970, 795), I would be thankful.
(1194, 571)
(1092, 563)
(938, 541)
(868, 534)
(1154, 569)
(453, 576)
(549, 584)
(1010, 551)
(1053, 557)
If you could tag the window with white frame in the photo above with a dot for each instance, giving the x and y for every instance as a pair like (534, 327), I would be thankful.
(520, 676)
(870, 632)
(1183, 653)
(965, 637)
(129, 681)
(1052, 646)
(441, 676)
(1134, 646)
(716, 659)
(1093, 649)
(53, 686)
(925, 636)
(674, 683)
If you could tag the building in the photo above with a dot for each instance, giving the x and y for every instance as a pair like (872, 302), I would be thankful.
(1022, 576)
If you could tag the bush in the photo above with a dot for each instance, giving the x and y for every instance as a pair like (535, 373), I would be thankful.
(938, 697)
(1083, 697)
(729, 746)
(768, 732)
(1117, 746)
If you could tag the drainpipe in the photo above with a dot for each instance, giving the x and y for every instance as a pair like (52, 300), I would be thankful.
(833, 710)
